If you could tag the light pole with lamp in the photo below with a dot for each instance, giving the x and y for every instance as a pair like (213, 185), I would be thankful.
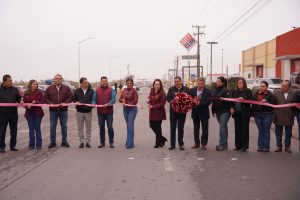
(79, 42)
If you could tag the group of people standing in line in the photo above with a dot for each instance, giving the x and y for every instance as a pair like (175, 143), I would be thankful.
(105, 97)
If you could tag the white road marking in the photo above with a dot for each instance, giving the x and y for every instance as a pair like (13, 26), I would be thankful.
(168, 165)
(233, 159)
(131, 158)
(200, 158)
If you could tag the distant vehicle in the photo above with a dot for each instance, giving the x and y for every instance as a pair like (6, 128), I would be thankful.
(274, 83)
(21, 89)
(295, 80)
(43, 88)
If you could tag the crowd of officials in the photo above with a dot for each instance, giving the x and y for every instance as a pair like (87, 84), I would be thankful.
(105, 97)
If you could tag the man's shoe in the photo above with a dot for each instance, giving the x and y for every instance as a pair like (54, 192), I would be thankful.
(52, 145)
(236, 149)
(38, 148)
(181, 148)
(101, 146)
(31, 148)
(81, 145)
(195, 146)
(65, 144)
(279, 149)
(288, 150)
(260, 150)
(111, 145)
(156, 146)
(88, 145)
(266, 150)
(243, 149)
(2, 150)
(220, 148)
(171, 148)
(203, 147)
(14, 149)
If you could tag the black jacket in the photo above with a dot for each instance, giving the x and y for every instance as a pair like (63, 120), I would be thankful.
(258, 109)
(202, 110)
(296, 99)
(219, 106)
(81, 98)
(9, 95)
(171, 93)
(245, 107)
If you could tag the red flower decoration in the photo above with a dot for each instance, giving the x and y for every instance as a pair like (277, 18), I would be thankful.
(183, 103)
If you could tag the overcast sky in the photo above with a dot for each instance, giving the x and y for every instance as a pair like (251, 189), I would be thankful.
(39, 38)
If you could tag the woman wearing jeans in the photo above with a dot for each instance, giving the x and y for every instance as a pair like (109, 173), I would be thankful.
(129, 96)
(34, 114)
(157, 113)
(263, 116)
(221, 109)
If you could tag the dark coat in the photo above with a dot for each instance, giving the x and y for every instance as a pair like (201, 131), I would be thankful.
(202, 110)
(86, 98)
(39, 98)
(284, 116)
(52, 96)
(258, 109)
(219, 106)
(157, 100)
(9, 95)
(245, 107)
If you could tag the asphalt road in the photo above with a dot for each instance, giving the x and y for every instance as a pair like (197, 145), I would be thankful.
(145, 172)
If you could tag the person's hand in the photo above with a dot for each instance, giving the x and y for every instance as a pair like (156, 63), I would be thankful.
(232, 111)
(241, 97)
(264, 101)
(28, 107)
(148, 101)
(63, 105)
(34, 101)
(150, 106)
(221, 98)
(213, 114)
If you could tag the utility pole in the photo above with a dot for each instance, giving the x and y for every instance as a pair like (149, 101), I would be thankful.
(198, 48)
(177, 66)
(211, 43)
(222, 60)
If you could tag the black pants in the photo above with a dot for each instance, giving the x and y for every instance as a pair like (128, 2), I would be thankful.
(12, 120)
(174, 118)
(241, 124)
(156, 127)
(204, 136)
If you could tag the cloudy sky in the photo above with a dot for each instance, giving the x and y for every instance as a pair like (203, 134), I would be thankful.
(39, 38)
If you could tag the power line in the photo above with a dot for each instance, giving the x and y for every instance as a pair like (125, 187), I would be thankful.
(247, 19)
(237, 20)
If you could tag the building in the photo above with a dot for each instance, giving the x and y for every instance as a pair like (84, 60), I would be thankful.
(277, 58)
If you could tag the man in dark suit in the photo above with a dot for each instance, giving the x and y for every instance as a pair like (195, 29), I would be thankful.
(200, 113)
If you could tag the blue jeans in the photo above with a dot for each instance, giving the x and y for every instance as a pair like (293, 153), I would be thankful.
(288, 136)
(63, 119)
(298, 120)
(223, 131)
(35, 135)
(129, 115)
(263, 123)
(109, 122)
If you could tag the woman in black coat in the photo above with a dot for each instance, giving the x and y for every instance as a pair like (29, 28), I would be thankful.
(241, 114)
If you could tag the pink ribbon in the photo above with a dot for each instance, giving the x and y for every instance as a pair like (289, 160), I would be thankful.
(57, 105)
(238, 100)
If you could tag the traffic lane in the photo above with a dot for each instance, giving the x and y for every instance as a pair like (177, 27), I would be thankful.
(139, 173)
(159, 172)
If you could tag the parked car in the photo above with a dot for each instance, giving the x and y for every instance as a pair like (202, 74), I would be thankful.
(274, 83)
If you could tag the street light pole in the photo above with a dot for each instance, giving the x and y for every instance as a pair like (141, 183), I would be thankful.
(198, 48)
(79, 42)
(110, 59)
(211, 43)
